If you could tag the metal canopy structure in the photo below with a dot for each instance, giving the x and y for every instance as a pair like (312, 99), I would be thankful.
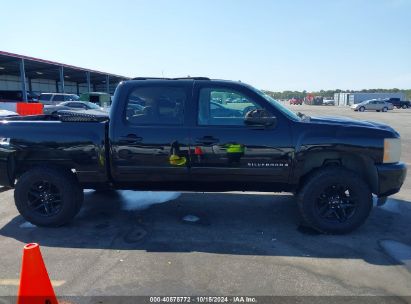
(30, 68)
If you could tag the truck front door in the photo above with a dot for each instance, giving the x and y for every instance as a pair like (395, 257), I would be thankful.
(149, 142)
(224, 148)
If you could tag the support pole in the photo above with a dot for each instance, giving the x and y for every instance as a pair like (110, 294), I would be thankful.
(23, 80)
(62, 79)
(88, 81)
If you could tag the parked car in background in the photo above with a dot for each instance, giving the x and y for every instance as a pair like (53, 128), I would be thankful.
(72, 106)
(329, 102)
(16, 96)
(101, 99)
(373, 105)
(313, 100)
(55, 98)
(398, 103)
(296, 101)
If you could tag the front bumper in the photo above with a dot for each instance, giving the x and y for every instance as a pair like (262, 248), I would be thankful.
(390, 178)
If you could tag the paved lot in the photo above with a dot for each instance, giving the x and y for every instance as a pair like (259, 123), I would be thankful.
(248, 244)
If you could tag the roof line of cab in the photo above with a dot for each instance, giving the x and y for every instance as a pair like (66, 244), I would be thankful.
(188, 79)
(164, 78)
(181, 78)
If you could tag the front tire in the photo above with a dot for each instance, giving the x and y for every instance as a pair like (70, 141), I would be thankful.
(48, 197)
(361, 109)
(404, 106)
(334, 200)
(385, 109)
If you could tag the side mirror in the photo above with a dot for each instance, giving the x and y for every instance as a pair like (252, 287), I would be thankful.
(260, 118)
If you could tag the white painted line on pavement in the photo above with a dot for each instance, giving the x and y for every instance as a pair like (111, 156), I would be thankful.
(16, 282)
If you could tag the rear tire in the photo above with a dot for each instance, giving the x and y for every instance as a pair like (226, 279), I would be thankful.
(48, 197)
(334, 200)
(385, 109)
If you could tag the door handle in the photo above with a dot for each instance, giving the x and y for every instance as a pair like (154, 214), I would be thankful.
(207, 140)
(130, 138)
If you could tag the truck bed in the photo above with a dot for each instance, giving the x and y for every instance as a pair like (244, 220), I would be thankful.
(45, 139)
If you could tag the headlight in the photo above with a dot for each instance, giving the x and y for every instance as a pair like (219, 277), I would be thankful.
(392, 150)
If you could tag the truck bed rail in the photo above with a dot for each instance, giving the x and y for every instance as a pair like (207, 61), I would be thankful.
(63, 115)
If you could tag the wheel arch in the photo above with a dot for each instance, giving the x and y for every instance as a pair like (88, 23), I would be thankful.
(66, 187)
(22, 167)
(358, 163)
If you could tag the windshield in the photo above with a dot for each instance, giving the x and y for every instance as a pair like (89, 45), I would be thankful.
(92, 105)
(287, 112)
(71, 97)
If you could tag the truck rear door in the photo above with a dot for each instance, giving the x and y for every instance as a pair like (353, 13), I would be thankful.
(149, 142)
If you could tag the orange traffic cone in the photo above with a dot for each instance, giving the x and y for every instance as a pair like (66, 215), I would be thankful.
(35, 286)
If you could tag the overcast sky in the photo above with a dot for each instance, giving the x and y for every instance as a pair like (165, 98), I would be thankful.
(274, 45)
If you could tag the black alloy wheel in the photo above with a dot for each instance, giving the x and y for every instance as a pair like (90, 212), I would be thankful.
(44, 198)
(337, 203)
(334, 200)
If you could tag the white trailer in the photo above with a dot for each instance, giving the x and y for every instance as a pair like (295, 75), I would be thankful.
(347, 99)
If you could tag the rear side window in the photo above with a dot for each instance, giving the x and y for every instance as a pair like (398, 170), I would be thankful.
(45, 97)
(156, 106)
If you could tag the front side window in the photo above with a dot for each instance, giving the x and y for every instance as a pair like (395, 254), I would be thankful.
(45, 97)
(76, 105)
(71, 97)
(223, 107)
(156, 106)
(58, 97)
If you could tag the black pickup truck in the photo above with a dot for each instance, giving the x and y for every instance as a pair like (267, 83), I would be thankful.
(398, 103)
(199, 134)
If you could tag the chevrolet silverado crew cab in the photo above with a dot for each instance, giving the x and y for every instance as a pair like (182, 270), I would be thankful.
(198, 134)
